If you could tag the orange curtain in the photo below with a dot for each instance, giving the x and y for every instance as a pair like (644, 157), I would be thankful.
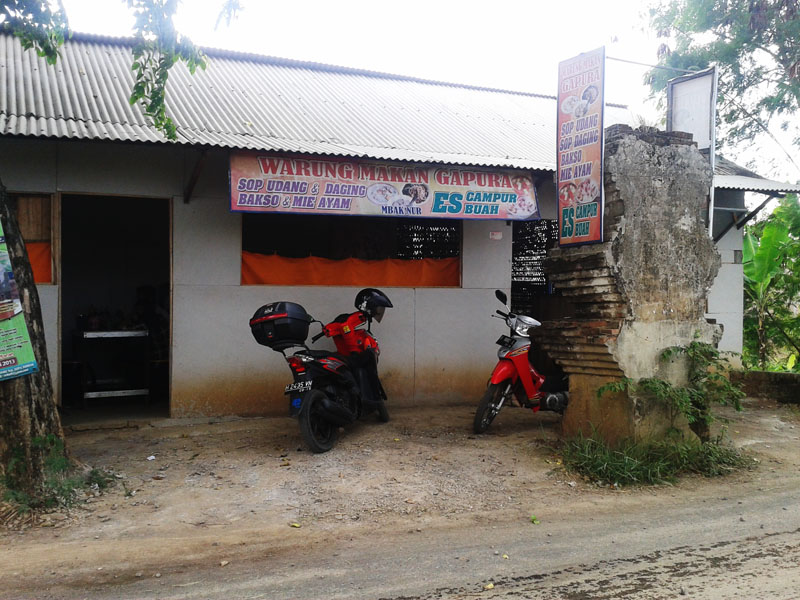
(41, 263)
(260, 269)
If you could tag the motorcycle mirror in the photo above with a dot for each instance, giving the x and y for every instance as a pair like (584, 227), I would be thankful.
(501, 295)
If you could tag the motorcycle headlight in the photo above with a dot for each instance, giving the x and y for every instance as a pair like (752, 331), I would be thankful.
(523, 325)
(521, 329)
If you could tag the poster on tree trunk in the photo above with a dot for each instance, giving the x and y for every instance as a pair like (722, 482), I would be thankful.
(16, 352)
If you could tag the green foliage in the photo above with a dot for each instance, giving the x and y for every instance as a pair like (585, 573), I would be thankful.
(38, 24)
(158, 48)
(43, 26)
(230, 9)
(756, 47)
(771, 264)
(99, 479)
(648, 463)
(708, 384)
(61, 483)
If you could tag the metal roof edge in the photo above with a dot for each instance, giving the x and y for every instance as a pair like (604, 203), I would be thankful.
(366, 153)
(753, 184)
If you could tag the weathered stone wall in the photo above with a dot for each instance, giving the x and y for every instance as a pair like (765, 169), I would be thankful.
(783, 387)
(640, 291)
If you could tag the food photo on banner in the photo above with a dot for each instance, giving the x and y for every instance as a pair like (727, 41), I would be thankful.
(279, 184)
(16, 352)
(580, 148)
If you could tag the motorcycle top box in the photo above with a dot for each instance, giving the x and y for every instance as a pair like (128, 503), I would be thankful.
(280, 325)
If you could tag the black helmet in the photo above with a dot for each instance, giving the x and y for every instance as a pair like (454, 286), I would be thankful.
(373, 302)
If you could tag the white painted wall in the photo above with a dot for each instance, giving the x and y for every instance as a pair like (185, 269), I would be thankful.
(437, 343)
(546, 193)
(48, 298)
(726, 296)
(726, 300)
(31, 166)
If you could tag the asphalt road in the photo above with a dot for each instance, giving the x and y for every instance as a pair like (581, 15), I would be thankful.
(737, 545)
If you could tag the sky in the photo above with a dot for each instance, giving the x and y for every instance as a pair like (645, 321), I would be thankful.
(505, 44)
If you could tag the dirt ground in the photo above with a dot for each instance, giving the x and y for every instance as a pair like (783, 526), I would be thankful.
(189, 494)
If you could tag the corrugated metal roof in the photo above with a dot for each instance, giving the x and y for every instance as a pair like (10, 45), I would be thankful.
(254, 102)
(753, 184)
(723, 166)
(729, 175)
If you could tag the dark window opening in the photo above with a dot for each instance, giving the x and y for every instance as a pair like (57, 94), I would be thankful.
(282, 249)
(337, 238)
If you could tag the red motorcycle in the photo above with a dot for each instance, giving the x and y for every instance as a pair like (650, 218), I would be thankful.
(330, 389)
(514, 379)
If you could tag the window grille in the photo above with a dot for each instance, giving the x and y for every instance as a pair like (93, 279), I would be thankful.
(369, 238)
(532, 239)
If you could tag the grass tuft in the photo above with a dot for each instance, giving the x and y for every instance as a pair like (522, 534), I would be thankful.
(61, 484)
(650, 463)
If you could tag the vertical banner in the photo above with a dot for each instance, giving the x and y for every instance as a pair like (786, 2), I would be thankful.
(16, 351)
(580, 148)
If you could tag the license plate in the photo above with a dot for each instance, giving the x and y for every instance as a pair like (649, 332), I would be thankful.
(297, 386)
(505, 341)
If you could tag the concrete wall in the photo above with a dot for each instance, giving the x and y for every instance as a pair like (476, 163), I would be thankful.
(665, 260)
(783, 387)
(437, 343)
(642, 290)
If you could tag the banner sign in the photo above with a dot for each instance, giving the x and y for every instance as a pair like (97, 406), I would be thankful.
(16, 351)
(692, 107)
(277, 184)
(580, 148)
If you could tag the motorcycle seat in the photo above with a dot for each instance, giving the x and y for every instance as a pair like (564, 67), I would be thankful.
(322, 354)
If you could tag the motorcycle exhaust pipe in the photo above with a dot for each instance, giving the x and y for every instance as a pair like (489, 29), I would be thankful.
(335, 413)
(556, 401)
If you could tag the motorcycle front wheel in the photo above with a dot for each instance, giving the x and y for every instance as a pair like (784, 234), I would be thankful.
(490, 405)
(320, 435)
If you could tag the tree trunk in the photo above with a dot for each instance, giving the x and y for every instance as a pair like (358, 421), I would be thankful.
(762, 342)
(27, 405)
(701, 426)
(701, 430)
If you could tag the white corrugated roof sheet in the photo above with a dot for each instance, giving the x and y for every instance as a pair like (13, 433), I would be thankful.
(753, 184)
(729, 175)
(262, 103)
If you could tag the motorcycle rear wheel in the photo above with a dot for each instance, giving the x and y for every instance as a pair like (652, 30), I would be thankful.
(320, 435)
(490, 405)
(383, 413)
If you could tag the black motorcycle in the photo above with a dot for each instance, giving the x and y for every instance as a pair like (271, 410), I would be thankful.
(330, 389)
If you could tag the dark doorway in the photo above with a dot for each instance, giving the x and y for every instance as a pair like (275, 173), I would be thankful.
(115, 307)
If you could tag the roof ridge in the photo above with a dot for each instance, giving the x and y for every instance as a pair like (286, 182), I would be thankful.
(318, 66)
